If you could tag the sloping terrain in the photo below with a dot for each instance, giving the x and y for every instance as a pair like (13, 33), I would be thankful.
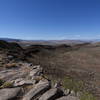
(79, 62)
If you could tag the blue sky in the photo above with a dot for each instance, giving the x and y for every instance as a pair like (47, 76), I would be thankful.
(50, 19)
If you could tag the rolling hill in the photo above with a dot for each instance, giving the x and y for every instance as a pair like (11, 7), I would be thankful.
(79, 61)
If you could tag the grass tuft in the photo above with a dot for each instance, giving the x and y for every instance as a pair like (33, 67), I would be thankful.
(71, 84)
(7, 85)
(11, 65)
(87, 96)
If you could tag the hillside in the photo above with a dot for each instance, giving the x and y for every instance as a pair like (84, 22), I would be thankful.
(79, 62)
(25, 43)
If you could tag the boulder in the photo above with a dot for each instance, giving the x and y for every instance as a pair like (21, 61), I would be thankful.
(51, 94)
(36, 67)
(21, 82)
(10, 57)
(38, 89)
(9, 93)
(68, 98)
(72, 93)
(36, 71)
(66, 92)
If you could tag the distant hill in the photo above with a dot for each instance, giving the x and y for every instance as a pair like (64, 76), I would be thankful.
(10, 46)
(10, 40)
(42, 41)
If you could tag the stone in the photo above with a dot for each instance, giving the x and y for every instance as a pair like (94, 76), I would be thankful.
(9, 93)
(10, 57)
(38, 89)
(66, 92)
(21, 82)
(58, 84)
(36, 71)
(72, 93)
(68, 98)
(51, 94)
(36, 67)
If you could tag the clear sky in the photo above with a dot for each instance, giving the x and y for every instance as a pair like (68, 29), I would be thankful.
(50, 19)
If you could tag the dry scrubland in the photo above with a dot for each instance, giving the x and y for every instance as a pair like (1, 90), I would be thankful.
(80, 62)
(76, 66)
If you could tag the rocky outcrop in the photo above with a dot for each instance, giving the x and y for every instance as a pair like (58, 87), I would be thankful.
(39, 88)
(32, 83)
(52, 94)
(16, 72)
(36, 71)
(9, 93)
(22, 82)
(68, 98)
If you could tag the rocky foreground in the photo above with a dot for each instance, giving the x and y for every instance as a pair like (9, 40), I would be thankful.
(55, 79)
(27, 82)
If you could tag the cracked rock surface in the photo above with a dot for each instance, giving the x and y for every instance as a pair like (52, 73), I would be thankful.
(28, 83)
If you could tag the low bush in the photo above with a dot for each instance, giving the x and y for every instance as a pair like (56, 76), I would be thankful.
(87, 96)
(71, 84)
(7, 85)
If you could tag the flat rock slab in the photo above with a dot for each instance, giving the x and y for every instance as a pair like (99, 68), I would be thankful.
(36, 71)
(21, 82)
(9, 93)
(39, 88)
(68, 98)
(7, 73)
(51, 94)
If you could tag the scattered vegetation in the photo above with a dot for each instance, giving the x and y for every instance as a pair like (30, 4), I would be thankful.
(77, 86)
(74, 85)
(87, 96)
(7, 85)
(1, 82)
(76, 61)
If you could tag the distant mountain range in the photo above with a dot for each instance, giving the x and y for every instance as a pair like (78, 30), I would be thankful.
(10, 39)
(47, 42)
(42, 42)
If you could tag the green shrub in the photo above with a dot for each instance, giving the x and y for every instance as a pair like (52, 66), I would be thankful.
(71, 84)
(87, 96)
(77, 86)
(7, 85)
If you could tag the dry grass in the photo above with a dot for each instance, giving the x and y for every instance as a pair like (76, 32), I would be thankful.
(72, 84)
(10, 65)
(87, 96)
(81, 64)
(7, 85)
